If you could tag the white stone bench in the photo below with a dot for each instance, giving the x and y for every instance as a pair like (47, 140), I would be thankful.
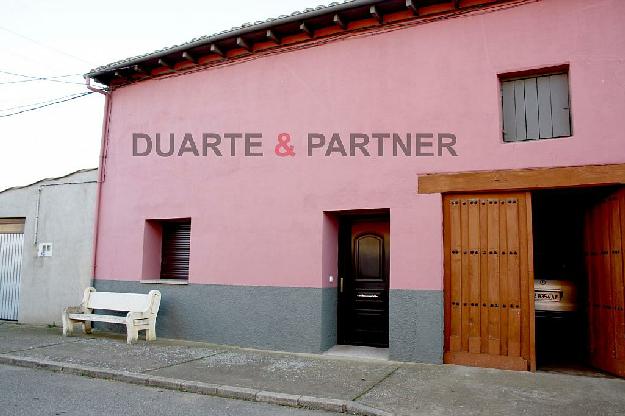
(142, 310)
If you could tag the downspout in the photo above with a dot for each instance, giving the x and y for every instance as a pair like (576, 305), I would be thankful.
(101, 168)
(37, 216)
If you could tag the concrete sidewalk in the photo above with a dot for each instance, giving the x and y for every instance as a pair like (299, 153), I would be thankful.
(367, 387)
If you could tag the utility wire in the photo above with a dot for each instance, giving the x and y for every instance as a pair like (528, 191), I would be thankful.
(51, 102)
(41, 79)
(33, 78)
(44, 45)
(43, 101)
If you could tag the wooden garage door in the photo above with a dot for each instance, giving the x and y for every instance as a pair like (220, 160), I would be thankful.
(605, 242)
(489, 318)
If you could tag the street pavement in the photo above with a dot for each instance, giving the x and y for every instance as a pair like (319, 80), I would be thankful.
(397, 388)
(31, 392)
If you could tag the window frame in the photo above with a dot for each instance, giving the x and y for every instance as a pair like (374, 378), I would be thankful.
(527, 75)
(154, 245)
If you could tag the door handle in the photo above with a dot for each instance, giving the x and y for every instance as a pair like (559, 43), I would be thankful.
(367, 295)
(341, 285)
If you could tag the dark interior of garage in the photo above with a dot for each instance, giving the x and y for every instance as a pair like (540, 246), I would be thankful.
(561, 286)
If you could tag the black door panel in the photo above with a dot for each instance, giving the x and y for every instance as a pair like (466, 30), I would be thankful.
(363, 293)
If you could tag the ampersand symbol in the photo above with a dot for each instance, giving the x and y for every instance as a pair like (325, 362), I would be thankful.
(283, 148)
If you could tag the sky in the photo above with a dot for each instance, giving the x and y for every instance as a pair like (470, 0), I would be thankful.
(64, 39)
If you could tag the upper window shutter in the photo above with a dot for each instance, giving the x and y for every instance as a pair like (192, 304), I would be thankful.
(545, 125)
(536, 108)
(509, 116)
(560, 111)
(531, 108)
(519, 109)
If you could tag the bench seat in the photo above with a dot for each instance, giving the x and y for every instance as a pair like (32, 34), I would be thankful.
(141, 311)
(100, 318)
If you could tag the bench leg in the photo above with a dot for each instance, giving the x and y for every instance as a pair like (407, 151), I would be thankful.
(132, 334)
(86, 327)
(150, 333)
(68, 326)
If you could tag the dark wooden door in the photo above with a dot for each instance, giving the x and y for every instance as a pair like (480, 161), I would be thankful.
(488, 286)
(605, 264)
(364, 283)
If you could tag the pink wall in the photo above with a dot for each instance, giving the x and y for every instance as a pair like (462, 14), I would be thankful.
(260, 221)
(152, 246)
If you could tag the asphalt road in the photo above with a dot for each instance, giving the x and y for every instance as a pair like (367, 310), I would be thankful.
(37, 392)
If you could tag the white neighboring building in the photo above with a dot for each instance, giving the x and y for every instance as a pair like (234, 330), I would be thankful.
(46, 246)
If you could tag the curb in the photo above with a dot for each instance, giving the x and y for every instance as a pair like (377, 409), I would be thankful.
(229, 392)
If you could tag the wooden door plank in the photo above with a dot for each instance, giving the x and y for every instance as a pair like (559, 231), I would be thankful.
(503, 276)
(474, 276)
(531, 313)
(524, 277)
(486, 360)
(455, 339)
(464, 223)
(600, 285)
(589, 248)
(607, 277)
(617, 275)
(494, 331)
(514, 290)
(621, 283)
(484, 279)
(602, 344)
(447, 254)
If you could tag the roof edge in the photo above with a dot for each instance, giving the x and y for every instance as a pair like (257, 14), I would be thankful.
(231, 33)
(13, 188)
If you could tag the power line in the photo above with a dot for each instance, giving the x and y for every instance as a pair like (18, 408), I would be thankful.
(34, 78)
(43, 101)
(51, 102)
(41, 79)
(44, 46)
(31, 76)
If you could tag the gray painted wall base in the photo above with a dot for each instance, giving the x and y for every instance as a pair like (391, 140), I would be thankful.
(416, 325)
(277, 318)
(284, 318)
(329, 299)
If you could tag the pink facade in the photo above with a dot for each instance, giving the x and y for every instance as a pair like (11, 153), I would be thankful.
(260, 221)
(272, 222)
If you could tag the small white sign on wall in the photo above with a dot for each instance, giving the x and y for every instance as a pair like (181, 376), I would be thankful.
(45, 250)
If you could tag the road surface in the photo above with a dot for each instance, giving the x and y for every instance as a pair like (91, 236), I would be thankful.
(31, 392)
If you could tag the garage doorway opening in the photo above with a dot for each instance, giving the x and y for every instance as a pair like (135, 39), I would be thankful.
(563, 234)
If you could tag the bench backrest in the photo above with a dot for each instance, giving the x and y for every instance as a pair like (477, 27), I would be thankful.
(122, 302)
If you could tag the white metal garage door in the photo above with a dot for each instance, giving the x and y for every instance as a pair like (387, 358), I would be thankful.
(10, 273)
